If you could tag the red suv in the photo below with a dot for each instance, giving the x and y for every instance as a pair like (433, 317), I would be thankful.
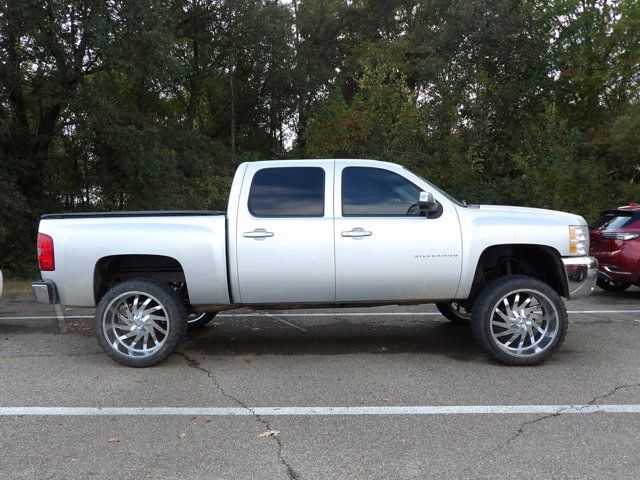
(615, 242)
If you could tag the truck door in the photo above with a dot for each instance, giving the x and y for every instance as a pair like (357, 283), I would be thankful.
(385, 250)
(284, 233)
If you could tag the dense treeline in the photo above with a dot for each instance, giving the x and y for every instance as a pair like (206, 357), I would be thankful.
(150, 104)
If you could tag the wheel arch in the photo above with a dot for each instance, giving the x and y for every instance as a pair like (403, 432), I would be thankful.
(538, 261)
(114, 269)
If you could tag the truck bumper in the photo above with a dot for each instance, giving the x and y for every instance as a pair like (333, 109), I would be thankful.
(45, 291)
(582, 273)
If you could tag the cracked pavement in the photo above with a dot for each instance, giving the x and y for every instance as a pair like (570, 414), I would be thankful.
(276, 438)
(336, 360)
(594, 401)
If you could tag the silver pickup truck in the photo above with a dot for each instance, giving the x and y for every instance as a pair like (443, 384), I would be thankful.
(320, 233)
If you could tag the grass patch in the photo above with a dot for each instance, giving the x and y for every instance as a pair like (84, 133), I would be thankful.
(16, 287)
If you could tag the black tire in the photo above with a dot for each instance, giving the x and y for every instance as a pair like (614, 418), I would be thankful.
(455, 311)
(550, 321)
(199, 320)
(114, 307)
(612, 285)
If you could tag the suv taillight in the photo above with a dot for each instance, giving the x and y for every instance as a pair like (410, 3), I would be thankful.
(45, 253)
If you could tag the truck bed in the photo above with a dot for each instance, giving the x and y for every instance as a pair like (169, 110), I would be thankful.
(83, 242)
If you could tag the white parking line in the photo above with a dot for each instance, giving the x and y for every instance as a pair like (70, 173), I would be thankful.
(317, 411)
(47, 317)
(333, 314)
(317, 314)
(603, 311)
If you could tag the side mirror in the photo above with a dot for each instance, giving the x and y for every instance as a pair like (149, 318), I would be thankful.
(427, 203)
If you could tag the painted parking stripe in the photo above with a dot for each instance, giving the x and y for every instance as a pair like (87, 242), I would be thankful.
(315, 314)
(386, 314)
(48, 317)
(603, 311)
(319, 411)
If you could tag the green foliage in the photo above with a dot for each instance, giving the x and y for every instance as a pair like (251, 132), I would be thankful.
(13, 225)
(382, 121)
(152, 104)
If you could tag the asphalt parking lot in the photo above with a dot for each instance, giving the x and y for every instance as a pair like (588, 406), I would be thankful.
(320, 394)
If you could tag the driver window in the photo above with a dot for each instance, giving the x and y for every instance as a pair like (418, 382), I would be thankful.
(377, 192)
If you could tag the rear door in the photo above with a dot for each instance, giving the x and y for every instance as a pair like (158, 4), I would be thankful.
(284, 233)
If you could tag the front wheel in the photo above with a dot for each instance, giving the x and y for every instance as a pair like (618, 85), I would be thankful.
(519, 320)
(139, 323)
(612, 285)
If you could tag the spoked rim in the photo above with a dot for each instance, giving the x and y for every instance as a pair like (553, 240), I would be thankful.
(136, 324)
(460, 309)
(194, 317)
(524, 323)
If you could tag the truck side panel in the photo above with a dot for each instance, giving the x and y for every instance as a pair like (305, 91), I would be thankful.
(232, 229)
(491, 225)
(197, 243)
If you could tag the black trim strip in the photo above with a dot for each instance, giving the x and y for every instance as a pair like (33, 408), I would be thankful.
(158, 213)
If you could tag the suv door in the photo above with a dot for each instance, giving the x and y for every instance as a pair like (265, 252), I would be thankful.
(385, 250)
(285, 234)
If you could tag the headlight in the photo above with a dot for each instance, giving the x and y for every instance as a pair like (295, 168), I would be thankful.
(620, 236)
(578, 239)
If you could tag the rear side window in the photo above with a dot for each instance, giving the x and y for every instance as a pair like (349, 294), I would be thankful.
(377, 192)
(615, 219)
(287, 192)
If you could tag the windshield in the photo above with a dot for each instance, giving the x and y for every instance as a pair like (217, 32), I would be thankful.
(453, 199)
(615, 219)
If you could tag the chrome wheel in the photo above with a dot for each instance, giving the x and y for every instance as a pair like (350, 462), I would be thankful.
(195, 317)
(136, 324)
(456, 311)
(460, 310)
(524, 323)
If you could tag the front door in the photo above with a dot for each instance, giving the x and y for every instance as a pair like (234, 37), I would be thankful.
(385, 250)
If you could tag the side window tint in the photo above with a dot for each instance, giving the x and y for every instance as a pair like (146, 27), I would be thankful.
(374, 191)
(287, 192)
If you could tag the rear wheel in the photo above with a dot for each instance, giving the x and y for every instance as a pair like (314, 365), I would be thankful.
(455, 311)
(519, 320)
(612, 285)
(199, 320)
(139, 323)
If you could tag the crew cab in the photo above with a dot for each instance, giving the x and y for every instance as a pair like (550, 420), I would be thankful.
(320, 233)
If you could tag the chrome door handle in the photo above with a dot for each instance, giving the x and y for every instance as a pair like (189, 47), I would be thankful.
(258, 233)
(356, 232)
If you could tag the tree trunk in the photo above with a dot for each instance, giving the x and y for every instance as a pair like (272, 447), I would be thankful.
(302, 117)
(233, 116)
(194, 93)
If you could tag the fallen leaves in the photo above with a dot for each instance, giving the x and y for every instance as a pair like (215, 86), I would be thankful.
(270, 433)
(114, 440)
(182, 435)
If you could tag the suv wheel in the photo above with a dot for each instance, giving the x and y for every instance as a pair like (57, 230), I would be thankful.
(612, 285)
